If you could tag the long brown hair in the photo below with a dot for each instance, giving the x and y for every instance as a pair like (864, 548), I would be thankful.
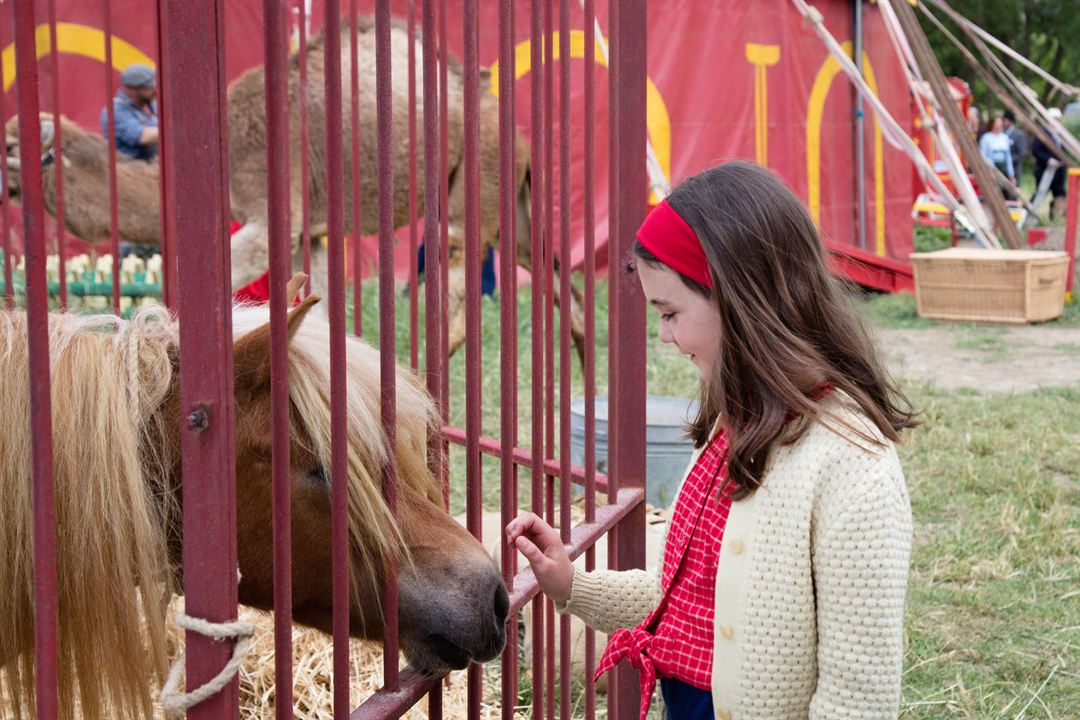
(787, 327)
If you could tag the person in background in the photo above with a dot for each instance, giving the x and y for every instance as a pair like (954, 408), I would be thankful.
(973, 121)
(135, 113)
(995, 147)
(1018, 143)
(1043, 155)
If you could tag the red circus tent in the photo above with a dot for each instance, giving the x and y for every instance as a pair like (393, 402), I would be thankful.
(727, 79)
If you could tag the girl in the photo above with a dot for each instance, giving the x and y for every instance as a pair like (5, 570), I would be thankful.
(781, 591)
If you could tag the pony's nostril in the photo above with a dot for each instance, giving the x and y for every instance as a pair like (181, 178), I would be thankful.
(502, 604)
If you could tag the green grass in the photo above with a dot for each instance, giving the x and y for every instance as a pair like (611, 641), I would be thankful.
(896, 311)
(928, 238)
(988, 341)
(993, 616)
(994, 598)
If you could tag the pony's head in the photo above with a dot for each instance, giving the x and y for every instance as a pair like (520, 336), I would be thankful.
(452, 604)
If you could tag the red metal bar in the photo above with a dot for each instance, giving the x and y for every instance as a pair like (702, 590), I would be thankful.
(538, 181)
(339, 439)
(275, 40)
(524, 458)
(414, 350)
(5, 207)
(394, 703)
(305, 168)
(564, 334)
(444, 228)
(1072, 216)
(590, 330)
(354, 107)
(433, 258)
(194, 109)
(413, 685)
(508, 336)
(168, 229)
(114, 220)
(37, 312)
(58, 149)
(582, 538)
(548, 272)
(627, 322)
(388, 364)
(473, 379)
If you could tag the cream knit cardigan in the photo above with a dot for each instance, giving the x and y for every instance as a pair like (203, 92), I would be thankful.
(810, 584)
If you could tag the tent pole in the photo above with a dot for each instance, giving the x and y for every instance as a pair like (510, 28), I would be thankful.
(860, 129)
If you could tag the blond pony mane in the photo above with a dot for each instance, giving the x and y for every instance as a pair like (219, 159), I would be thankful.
(377, 539)
(110, 381)
(107, 376)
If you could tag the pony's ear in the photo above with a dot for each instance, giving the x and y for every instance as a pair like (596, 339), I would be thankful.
(251, 353)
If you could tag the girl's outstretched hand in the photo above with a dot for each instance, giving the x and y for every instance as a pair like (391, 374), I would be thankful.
(542, 547)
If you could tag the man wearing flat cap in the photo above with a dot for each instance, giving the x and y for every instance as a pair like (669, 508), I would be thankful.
(135, 113)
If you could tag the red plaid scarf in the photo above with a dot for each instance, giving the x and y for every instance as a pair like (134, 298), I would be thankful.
(676, 639)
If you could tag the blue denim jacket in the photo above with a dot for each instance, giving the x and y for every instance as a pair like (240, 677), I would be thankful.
(130, 121)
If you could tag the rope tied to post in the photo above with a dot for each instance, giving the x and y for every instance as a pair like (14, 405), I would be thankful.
(175, 702)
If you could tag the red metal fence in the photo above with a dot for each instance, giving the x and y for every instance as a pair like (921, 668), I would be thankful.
(197, 284)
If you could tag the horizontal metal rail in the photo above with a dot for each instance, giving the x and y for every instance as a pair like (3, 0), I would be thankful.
(491, 446)
(413, 685)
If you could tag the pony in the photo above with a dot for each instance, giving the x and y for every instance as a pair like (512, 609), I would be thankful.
(118, 484)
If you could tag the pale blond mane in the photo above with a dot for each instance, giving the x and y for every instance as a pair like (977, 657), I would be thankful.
(110, 380)
(106, 376)
(378, 538)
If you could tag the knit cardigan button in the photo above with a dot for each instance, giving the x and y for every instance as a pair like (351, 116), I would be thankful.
(723, 714)
(727, 632)
(737, 547)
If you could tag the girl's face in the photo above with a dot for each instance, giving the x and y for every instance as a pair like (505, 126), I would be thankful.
(997, 126)
(687, 319)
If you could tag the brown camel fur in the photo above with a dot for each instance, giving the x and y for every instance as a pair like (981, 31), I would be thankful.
(86, 186)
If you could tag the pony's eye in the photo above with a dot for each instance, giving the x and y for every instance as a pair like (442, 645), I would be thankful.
(320, 475)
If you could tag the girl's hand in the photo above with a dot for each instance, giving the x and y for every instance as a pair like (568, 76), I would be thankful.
(542, 547)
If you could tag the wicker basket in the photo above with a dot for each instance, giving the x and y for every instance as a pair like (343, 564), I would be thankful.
(990, 285)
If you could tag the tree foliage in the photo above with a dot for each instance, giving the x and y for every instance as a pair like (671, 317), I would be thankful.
(1046, 32)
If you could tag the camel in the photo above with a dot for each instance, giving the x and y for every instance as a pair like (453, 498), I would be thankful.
(86, 184)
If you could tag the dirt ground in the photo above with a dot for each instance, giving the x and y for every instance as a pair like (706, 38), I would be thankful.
(986, 358)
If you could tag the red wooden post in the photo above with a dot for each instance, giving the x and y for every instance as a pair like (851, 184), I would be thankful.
(195, 113)
(1072, 220)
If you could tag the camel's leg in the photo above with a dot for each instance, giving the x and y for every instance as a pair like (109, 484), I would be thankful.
(250, 253)
(525, 260)
(320, 275)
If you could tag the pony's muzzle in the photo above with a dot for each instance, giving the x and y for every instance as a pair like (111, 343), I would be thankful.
(449, 621)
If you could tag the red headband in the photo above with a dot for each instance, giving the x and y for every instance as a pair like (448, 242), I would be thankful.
(667, 236)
